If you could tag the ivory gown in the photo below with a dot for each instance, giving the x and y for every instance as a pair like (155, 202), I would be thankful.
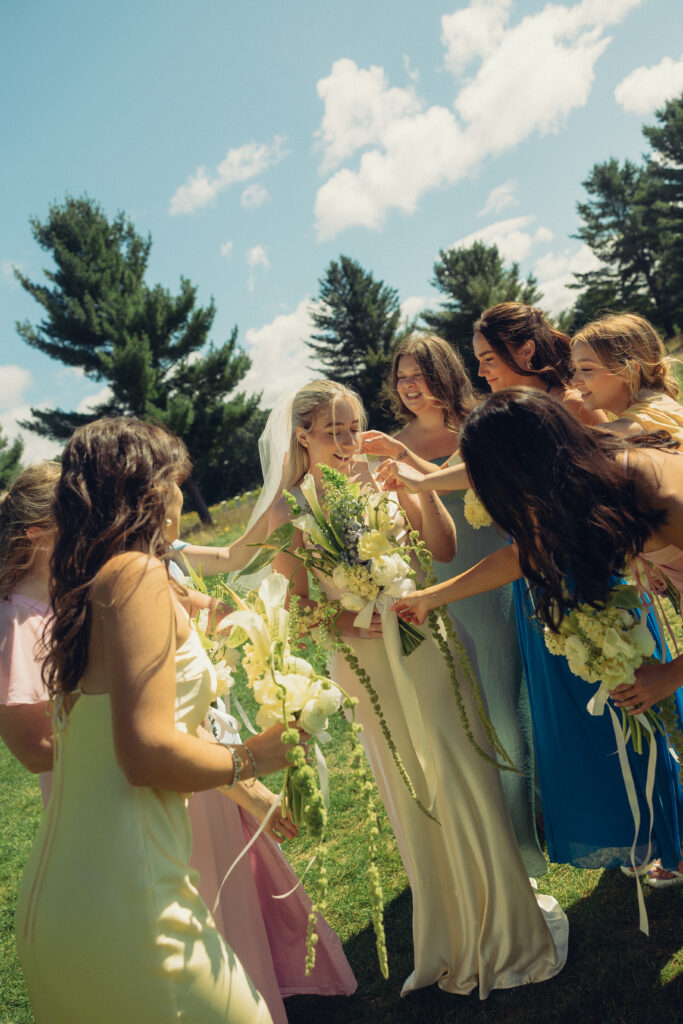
(476, 919)
(110, 926)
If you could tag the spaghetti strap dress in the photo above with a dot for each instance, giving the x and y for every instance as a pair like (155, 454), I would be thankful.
(110, 925)
(489, 619)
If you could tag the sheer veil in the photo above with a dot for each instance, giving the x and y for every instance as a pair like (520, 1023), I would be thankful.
(273, 447)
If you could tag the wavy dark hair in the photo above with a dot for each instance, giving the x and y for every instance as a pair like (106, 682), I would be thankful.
(555, 487)
(444, 373)
(508, 325)
(112, 496)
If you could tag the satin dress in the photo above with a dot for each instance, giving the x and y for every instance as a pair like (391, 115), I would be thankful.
(489, 619)
(477, 922)
(110, 925)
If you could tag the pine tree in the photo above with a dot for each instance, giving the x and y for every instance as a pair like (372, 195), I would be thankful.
(357, 320)
(10, 460)
(144, 342)
(472, 279)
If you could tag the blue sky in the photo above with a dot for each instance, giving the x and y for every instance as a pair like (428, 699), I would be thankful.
(257, 142)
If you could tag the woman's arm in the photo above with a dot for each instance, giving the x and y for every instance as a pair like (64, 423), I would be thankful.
(134, 626)
(227, 559)
(428, 515)
(26, 729)
(391, 475)
(497, 569)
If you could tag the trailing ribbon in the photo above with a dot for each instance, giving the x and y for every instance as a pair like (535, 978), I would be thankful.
(596, 706)
(246, 849)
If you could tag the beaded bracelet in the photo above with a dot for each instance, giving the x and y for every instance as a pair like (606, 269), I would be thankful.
(251, 758)
(237, 765)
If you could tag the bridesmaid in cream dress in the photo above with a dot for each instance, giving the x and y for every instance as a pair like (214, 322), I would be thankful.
(476, 919)
(110, 926)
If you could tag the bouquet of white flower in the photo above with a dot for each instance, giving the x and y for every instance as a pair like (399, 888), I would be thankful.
(606, 646)
(356, 541)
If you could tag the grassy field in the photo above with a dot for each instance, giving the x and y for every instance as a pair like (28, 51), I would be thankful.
(614, 974)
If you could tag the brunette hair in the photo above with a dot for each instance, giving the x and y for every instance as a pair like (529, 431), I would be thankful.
(306, 404)
(113, 494)
(555, 487)
(627, 341)
(444, 373)
(508, 325)
(27, 502)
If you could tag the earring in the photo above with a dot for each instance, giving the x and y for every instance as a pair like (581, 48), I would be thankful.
(528, 364)
(168, 522)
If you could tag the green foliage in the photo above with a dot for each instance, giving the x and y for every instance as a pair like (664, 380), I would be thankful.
(10, 460)
(633, 221)
(101, 316)
(357, 322)
(472, 279)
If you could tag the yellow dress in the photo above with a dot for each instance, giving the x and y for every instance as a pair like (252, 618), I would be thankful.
(654, 411)
(110, 926)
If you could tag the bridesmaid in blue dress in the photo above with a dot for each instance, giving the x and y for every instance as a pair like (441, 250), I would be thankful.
(430, 391)
(588, 820)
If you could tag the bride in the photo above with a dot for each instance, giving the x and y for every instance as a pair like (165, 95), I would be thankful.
(476, 920)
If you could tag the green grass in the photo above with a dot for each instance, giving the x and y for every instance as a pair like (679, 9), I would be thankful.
(614, 974)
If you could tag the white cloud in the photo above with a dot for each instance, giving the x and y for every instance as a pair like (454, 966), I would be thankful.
(239, 164)
(254, 195)
(359, 106)
(13, 382)
(555, 272)
(411, 306)
(530, 77)
(474, 31)
(226, 248)
(88, 403)
(500, 197)
(645, 89)
(36, 448)
(412, 73)
(279, 354)
(513, 243)
(256, 257)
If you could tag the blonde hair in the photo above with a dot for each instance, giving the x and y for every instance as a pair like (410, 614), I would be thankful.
(28, 502)
(307, 403)
(627, 341)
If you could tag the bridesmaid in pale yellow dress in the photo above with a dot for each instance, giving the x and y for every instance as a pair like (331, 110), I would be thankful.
(110, 926)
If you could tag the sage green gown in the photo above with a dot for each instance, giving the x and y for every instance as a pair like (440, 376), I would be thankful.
(490, 621)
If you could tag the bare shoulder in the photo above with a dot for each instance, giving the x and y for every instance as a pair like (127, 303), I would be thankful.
(658, 472)
(126, 573)
(278, 513)
(624, 428)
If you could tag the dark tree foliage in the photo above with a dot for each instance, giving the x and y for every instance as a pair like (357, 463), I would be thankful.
(357, 326)
(144, 342)
(471, 280)
(10, 460)
(633, 222)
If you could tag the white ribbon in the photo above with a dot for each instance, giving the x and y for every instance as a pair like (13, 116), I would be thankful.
(248, 847)
(596, 706)
(408, 697)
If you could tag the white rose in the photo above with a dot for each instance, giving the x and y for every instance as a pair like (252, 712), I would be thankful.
(329, 698)
(388, 569)
(643, 640)
(352, 602)
(313, 718)
(296, 687)
(372, 544)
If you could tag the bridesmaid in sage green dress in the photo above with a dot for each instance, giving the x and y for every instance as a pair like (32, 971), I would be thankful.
(431, 392)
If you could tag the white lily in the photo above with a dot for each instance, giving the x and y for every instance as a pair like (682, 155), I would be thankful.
(308, 524)
(309, 492)
(255, 628)
(273, 593)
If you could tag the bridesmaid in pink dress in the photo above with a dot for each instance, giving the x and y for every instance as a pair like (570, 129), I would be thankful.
(267, 934)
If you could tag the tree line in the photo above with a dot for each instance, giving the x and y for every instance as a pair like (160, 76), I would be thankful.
(152, 347)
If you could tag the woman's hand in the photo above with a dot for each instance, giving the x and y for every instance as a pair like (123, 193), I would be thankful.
(373, 631)
(258, 800)
(268, 750)
(374, 442)
(392, 476)
(652, 684)
(416, 607)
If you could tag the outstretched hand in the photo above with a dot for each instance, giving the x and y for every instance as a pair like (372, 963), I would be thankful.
(374, 442)
(392, 476)
(415, 607)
